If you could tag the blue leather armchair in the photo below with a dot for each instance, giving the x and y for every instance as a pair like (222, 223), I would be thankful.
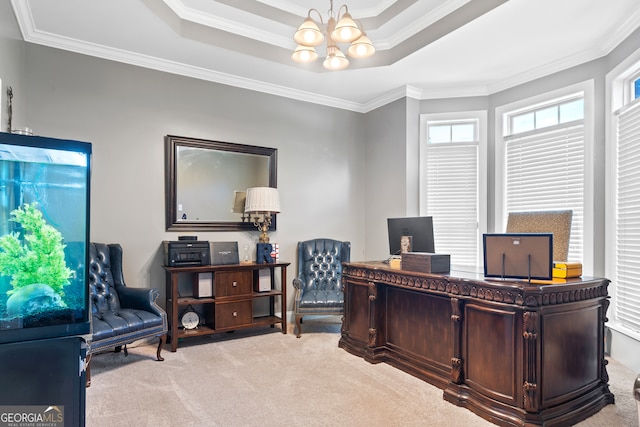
(318, 284)
(120, 315)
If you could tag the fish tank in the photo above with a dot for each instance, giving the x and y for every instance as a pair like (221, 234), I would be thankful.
(44, 237)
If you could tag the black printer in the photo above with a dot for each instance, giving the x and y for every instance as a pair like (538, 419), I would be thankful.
(186, 253)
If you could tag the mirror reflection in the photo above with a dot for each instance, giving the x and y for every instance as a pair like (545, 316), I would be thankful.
(205, 179)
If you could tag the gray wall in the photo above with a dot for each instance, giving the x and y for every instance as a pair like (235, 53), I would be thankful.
(386, 180)
(126, 111)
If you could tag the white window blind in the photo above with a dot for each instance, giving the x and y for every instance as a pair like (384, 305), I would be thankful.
(545, 171)
(628, 218)
(452, 199)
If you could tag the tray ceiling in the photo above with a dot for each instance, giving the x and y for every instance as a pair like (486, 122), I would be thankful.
(425, 48)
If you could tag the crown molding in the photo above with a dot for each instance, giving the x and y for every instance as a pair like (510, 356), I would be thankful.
(622, 33)
(150, 62)
(241, 28)
(547, 69)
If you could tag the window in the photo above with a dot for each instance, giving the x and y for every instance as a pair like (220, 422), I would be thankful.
(624, 268)
(541, 161)
(450, 161)
(544, 117)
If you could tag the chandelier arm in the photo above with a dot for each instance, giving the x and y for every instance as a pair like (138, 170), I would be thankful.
(346, 10)
(316, 11)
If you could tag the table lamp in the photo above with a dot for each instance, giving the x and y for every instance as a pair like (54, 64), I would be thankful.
(261, 203)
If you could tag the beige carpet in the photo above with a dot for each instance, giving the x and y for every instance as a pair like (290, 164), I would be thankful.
(265, 378)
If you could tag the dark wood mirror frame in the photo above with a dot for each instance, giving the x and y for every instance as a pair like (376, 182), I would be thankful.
(171, 197)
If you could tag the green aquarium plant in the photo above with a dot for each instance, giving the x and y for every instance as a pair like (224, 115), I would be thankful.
(34, 256)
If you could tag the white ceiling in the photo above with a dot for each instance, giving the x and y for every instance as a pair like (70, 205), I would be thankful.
(425, 48)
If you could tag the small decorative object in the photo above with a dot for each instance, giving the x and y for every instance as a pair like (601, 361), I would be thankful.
(9, 108)
(190, 319)
(246, 259)
(405, 244)
(566, 270)
(425, 262)
(203, 285)
(261, 203)
(263, 280)
(263, 253)
(275, 252)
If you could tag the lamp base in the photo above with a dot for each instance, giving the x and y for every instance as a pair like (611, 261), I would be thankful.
(263, 253)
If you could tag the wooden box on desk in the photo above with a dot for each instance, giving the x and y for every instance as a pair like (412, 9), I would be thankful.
(426, 262)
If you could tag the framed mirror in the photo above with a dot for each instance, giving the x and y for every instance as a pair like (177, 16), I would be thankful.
(205, 181)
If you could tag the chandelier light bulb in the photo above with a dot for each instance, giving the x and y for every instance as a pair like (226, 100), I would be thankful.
(308, 33)
(335, 60)
(304, 54)
(361, 48)
(346, 30)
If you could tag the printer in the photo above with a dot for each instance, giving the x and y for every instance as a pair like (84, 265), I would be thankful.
(186, 253)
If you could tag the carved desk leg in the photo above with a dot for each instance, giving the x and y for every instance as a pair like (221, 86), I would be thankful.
(605, 362)
(530, 386)
(373, 333)
(457, 374)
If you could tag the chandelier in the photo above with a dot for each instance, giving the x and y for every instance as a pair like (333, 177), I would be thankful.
(338, 29)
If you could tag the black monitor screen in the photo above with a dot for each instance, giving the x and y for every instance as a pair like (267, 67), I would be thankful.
(419, 228)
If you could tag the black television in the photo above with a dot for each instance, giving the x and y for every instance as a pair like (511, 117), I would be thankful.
(420, 228)
(44, 235)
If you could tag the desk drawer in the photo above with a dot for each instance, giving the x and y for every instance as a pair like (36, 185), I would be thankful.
(232, 314)
(233, 283)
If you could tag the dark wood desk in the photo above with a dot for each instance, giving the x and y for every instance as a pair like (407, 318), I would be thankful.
(515, 353)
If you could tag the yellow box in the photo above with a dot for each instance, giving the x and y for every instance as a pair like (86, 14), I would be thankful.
(564, 270)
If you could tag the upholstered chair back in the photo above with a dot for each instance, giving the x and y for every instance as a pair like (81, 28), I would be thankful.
(104, 297)
(320, 264)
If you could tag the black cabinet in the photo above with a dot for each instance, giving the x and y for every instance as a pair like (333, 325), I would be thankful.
(43, 382)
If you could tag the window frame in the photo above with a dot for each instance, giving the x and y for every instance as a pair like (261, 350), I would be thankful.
(619, 94)
(587, 88)
(481, 117)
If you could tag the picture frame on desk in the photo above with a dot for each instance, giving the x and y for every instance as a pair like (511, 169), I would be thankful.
(223, 253)
(518, 255)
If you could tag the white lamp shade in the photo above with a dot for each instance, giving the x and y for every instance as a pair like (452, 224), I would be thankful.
(304, 54)
(346, 30)
(361, 48)
(262, 200)
(335, 59)
(308, 33)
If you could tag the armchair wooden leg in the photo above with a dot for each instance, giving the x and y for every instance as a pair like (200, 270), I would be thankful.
(163, 340)
(299, 325)
(88, 372)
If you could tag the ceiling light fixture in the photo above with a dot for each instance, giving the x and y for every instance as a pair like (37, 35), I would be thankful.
(338, 29)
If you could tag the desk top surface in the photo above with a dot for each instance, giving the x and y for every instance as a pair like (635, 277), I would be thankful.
(472, 277)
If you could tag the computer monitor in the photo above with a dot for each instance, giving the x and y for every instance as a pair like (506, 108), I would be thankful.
(419, 228)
